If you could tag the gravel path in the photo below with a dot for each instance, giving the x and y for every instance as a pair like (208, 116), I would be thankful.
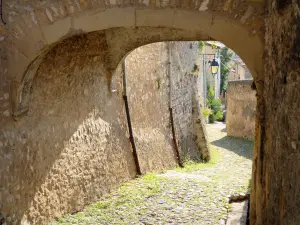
(194, 195)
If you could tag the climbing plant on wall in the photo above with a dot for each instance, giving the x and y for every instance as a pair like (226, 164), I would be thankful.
(201, 46)
(226, 55)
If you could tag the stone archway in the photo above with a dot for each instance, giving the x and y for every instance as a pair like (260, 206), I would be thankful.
(127, 26)
(120, 41)
(103, 37)
(34, 29)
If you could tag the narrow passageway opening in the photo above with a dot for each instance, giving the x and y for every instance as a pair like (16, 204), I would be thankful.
(178, 76)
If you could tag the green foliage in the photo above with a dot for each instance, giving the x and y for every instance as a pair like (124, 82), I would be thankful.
(102, 205)
(249, 184)
(190, 166)
(219, 116)
(226, 55)
(210, 94)
(214, 45)
(206, 112)
(212, 118)
(201, 46)
(214, 105)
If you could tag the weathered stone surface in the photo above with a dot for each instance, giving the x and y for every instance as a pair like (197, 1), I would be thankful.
(150, 17)
(165, 75)
(64, 152)
(276, 164)
(72, 143)
(238, 214)
(275, 197)
(33, 26)
(57, 30)
(240, 109)
(187, 98)
(148, 96)
(124, 17)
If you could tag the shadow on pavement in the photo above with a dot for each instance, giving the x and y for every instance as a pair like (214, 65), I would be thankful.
(223, 130)
(239, 146)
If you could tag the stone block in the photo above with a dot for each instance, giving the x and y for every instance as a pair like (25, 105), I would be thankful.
(115, 17)
(57, 30)
(241, 107)
(18, 63)
(155, 18)
(191, 20)
(31, 43)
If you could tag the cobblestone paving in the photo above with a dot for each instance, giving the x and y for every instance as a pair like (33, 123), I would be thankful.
(194, 195)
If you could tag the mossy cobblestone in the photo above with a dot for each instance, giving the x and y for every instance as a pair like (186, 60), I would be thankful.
(196, 194)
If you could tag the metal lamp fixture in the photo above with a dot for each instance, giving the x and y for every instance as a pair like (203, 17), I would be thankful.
(214, 67)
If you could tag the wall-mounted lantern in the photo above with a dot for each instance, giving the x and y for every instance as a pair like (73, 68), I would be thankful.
(214, 65)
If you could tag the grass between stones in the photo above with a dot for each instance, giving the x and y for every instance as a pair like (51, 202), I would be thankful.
(194, 195)
(125, 200)
(190, 166)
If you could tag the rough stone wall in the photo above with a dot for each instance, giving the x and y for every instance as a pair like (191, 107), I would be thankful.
(33, 27)
(186, 98)
(163, 68)
(275, 197)
(72, 146)
(148, 96)
(240, 109)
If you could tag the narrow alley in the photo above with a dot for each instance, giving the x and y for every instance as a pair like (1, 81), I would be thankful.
(197, 194)
(101, 100)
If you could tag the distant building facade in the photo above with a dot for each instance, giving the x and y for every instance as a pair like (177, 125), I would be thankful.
(239, 70)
